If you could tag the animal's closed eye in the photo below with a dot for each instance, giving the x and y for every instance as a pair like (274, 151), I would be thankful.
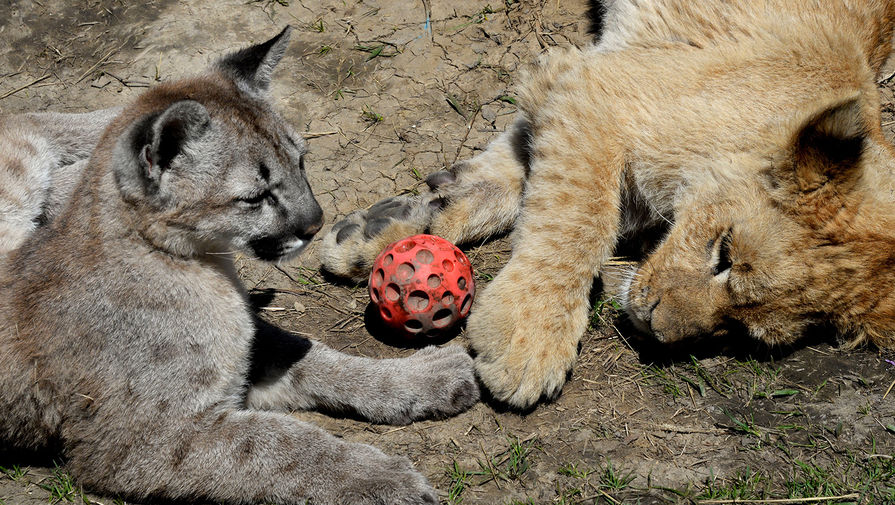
(255, 199)
(723, 261)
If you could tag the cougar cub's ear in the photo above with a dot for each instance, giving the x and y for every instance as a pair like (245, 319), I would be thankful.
(155, 142)
(253, 65)
(165, 138)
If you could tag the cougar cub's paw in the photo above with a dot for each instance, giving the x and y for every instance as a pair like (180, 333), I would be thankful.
(433, 383)
(350, 247)
(446, 378)
(377, 479)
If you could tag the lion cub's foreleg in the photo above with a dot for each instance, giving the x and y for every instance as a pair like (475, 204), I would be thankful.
(527, 322)
(474, 200)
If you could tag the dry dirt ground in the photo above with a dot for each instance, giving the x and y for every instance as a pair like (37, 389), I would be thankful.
(388, 91)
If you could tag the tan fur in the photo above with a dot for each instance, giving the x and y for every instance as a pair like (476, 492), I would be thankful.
(753, 126)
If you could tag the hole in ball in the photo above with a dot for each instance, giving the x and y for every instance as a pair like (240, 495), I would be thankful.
(386, 314)
(461, 283)
(460, 257)
(378, 277)
(433, 281)
(392, 292)
(413, 326)
(405, 271)
(417, 301)
(425, 256)
(447, 265)
(405, 246)
(443, 318)
(447, 298)
(387, 260)
(374, 294)
(464, 307)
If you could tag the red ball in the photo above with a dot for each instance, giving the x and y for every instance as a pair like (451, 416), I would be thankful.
(422, 285)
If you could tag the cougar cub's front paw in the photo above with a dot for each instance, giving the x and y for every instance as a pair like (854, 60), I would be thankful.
(524, 353)
(432, 383)
(377, 479)
(350, 247)
(446, 377)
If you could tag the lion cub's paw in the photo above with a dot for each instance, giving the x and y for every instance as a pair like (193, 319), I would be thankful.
(435, 383)
(520, 357)
(520, 379)
(350, 247)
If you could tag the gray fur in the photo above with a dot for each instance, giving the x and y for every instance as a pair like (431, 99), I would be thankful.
(126, 338)
(439, 178)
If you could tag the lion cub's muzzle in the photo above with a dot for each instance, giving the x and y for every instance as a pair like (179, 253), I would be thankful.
(669, 315)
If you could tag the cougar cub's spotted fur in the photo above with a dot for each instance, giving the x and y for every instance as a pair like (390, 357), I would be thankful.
(126, 340)
(750, 130)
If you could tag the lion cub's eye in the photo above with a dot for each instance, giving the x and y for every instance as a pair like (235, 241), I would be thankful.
(723, 263)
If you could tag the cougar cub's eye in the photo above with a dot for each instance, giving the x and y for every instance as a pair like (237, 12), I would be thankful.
(723, 261)
(255, 200)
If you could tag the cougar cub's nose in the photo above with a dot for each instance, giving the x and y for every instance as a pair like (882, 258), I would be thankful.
(314, 223)
(314, 228)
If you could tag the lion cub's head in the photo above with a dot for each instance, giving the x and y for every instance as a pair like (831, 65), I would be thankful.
(803, 236)
(209, 166)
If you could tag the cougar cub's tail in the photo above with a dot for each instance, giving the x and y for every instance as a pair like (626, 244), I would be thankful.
(42, 157)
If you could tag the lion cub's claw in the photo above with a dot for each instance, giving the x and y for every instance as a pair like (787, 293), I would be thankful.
(523, 385)
(520, 359)
(440, 178)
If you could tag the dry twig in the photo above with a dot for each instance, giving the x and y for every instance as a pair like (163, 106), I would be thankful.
(813, 499)
(313, 135)
(32, 83)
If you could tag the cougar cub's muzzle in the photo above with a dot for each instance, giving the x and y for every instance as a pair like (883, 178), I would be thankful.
(285, 246)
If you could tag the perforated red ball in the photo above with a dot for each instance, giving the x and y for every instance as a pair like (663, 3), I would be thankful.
(422, 285)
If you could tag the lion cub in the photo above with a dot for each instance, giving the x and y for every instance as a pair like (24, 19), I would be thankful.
(749, 130)
(125, 336)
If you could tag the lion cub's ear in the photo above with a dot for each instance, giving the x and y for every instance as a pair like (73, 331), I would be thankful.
(155, 142)
(253, 65)
(828, 145)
